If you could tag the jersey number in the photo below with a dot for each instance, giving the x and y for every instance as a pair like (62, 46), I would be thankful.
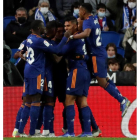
(84, 49)
(98, 32)
(30, 56)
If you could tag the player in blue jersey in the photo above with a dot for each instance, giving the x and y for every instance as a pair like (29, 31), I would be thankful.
(34, 74)
(96, 132)
(98, 56)
(78, 81)
(19, 54)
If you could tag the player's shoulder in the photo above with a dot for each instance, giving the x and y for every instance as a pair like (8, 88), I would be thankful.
(34, 39)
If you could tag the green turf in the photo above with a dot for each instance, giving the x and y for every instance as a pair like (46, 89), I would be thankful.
(70, 138)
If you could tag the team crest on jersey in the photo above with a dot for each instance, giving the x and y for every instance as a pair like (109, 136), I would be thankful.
(21, 46)
(46, 43)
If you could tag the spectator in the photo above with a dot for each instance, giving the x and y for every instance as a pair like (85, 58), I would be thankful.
(131, 48)
(129, 32)
(94, 4)
(105, 22)
(113, 65)
(75, 9)
(43, 12)
(123, 18)
(64, 8)
(112, 53)
(18, 30)
(11, 76)
(128, 67)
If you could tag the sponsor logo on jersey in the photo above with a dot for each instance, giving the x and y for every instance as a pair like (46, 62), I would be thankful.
(46, 43)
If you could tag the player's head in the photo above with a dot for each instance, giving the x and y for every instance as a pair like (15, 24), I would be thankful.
(80, 25)
(51, 28)
(37, 27)
(101, 9)
(85, 9)
(71, 24)
(60, 31)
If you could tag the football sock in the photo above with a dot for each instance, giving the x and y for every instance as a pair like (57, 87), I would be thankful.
(93, 122)
(113, 92)
(64, 119)
(86, 119)
(70, 114)
(18, 117)
(40, 119)
(80, 118)
(34, 113)
(24, 117)
(111, 82)
(51, 123)
(47, 116)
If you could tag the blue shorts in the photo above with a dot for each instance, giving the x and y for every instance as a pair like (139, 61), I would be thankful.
(99, 66)
(48, 84)
(33, 85)
(78, 82)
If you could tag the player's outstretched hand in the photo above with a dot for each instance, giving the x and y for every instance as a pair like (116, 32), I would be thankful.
(67, 34)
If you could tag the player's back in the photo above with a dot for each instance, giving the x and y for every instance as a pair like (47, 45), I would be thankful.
(94, 41)
(35, 57)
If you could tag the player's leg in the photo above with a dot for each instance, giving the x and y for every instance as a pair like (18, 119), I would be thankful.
(48, 116)
(100, 71)
(24, 115)
(34, 112)
(18, 117)
(70, 115)
(85, 116)
(111, 89)
(40, 120)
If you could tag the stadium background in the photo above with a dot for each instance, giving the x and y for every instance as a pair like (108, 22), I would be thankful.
(105, 109)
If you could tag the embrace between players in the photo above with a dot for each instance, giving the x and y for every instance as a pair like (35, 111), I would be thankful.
(44, 79)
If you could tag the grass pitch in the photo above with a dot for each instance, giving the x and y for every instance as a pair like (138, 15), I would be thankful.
(70, 138)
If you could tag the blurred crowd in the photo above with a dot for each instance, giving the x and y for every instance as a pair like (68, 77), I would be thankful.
(117, 16)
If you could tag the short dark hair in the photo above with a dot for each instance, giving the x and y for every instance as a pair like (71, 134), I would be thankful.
(87, 7)
(72, 19)
(113, 61)
(113, 46)
(101, 5)
(59, 24)
(51, 24)
(35, 24)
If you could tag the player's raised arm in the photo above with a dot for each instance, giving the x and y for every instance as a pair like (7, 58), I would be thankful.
(84, 34)
(46, 46)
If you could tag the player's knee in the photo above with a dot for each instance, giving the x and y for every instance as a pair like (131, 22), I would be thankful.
(24, 100)
(36, 97)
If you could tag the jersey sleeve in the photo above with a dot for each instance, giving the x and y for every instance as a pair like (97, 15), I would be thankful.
(86, 24)
(48, 47)
(23, 46)
(67, 47)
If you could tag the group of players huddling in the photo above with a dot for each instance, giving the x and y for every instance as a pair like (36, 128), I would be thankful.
(45, 75)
